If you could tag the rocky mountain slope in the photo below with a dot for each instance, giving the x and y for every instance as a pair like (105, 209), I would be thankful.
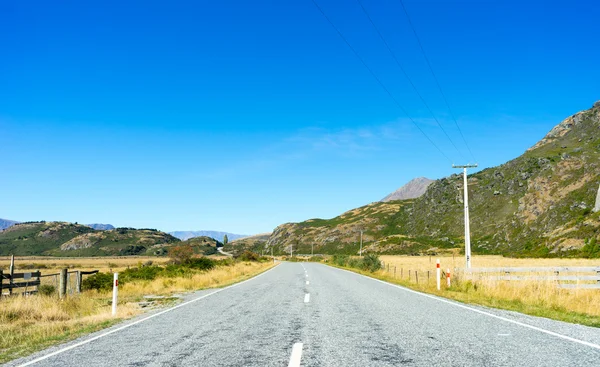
(412, 190)
(538, 204)
(184, 235)
(69, 239)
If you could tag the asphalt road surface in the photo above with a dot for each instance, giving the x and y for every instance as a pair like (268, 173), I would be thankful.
(310, 314)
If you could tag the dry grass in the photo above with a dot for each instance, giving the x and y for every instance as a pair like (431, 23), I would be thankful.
(28, 324)
(539, 298)
(54, 264)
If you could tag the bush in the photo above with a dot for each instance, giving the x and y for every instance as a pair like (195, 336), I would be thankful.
(99, 282)
(181, 254)
(249, 256)
(340, 260)
(141, 273)
(371, 263)
(200, 263)
(46, 290)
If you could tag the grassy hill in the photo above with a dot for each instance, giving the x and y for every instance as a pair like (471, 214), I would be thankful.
(71, 239)
(539, 204)
(203, 245)
(254, 243)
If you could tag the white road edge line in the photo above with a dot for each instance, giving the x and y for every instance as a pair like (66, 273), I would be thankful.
(578, 341)
(137, 322)
(296, 355)
(307, 298)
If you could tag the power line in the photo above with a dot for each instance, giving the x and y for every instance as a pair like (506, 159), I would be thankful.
(437, 82)
(377, 79)
(406, 75)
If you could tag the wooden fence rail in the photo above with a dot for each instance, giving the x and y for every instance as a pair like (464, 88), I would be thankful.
(574, 276)
(30, 279)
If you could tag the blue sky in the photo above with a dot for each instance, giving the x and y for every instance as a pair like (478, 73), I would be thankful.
(239, 116)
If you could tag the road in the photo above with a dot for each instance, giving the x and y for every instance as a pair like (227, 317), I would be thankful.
(311, 314)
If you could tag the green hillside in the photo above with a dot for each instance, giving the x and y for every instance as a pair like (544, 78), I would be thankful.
(539, 204)
(69, 239)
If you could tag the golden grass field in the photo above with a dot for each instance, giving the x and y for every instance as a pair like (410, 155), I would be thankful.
(539, 298)
(28, 324)
(54, 264)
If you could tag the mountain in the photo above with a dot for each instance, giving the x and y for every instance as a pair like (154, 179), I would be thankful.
(412, 190)
(5, 223)
(101, 227)
(256, 243)
(69, 239)
(184, 235)
(538, 204)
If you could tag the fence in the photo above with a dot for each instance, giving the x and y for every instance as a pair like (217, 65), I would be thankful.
(412, 275)
(66, 282)
(28, 285)
(565, 277)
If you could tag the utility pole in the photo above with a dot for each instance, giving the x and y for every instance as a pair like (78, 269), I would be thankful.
(466, 202)
(360, 251)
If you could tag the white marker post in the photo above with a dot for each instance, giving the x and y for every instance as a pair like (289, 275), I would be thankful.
(437, 271)
(448, 277)
(115, 294)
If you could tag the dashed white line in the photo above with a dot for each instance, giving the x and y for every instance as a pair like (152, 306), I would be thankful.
(307, 282)
(307, 298)
(296, 355)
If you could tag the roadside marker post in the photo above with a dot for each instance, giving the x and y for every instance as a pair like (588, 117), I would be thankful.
(437, 269)
(115, 294)
(448, 277)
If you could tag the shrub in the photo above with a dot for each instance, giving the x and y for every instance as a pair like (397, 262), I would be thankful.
(181, 254)
(46, 290)
(98, 281)
(340, 260)
(200, 263)
(371, 263)
(141, 273)
(249, 256)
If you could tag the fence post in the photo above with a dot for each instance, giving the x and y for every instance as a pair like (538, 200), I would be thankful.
(11, 273)
(394, 272)
(78, 281)
(39, 278)
(115, 293)
(1, 280)
(417, 276)
(427, 277)
(62, 285)
(437, 271)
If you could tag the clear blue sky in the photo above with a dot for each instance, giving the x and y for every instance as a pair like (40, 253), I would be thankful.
(242, 115)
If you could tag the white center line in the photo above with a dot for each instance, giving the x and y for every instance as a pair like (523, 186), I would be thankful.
(307, 282)
(307, 298)
(296, 355)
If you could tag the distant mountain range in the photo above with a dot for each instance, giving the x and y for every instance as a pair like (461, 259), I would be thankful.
(5, 223)
(412, 190)
(185, 235)
(101, 227)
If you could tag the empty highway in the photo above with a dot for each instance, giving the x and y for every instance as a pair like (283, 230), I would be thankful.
(310, 314)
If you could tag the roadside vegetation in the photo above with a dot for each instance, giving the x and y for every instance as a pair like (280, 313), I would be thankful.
(536, 298)
(28, 324)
